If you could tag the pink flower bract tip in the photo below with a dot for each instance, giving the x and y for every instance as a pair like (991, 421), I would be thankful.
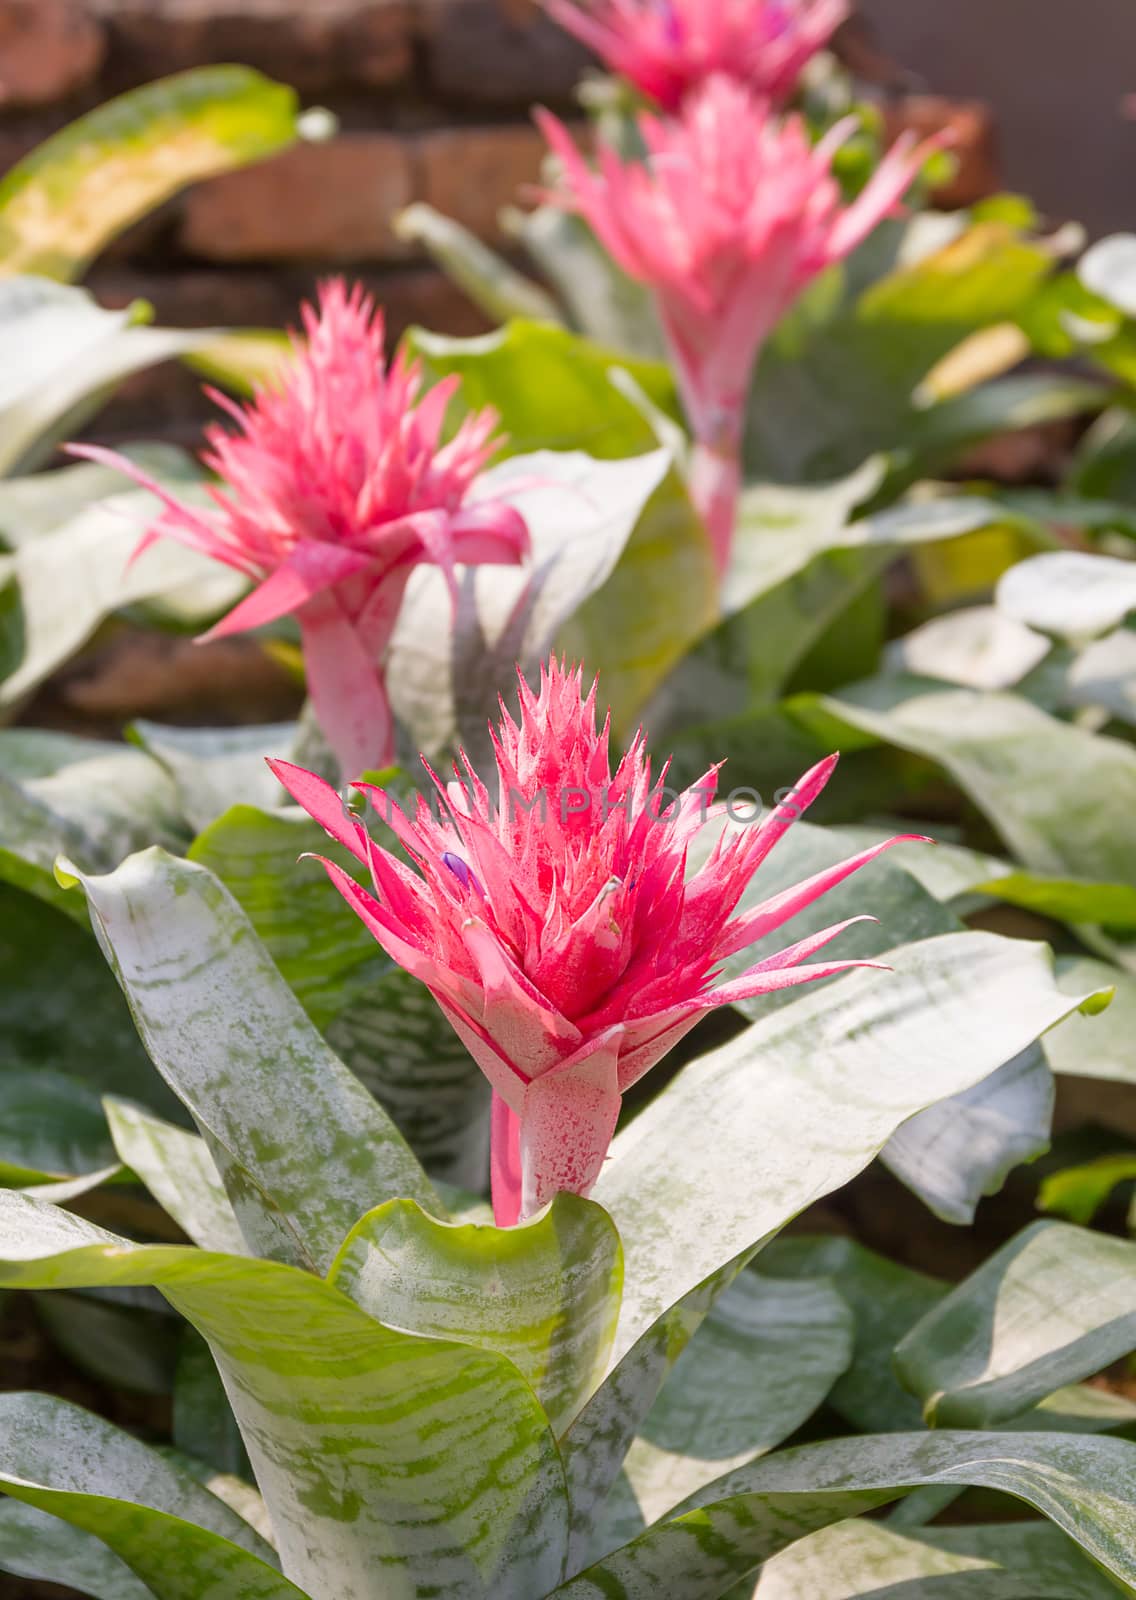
(334, 486)
(554, 922)
(666, 48)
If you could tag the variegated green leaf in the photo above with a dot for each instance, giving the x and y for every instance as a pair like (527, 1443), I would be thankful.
(176, 1167)
(179, 1539)
(424, 1459)
(381, 1023)
(806, 1098)
(51, 1127)
(203, 1422)
(88, 798)
(1056, 1304)
(757, 1368)
(1080, 1050)
(302, 1147)
(65, 201)
(36, 1545)
(1062, 798)
(862, 1559)
(545, 1294)
(1085, 1486)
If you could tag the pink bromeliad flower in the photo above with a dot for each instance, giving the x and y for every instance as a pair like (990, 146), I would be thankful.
(731, 215)
(556, 926)
(667, 47)
(335, 487)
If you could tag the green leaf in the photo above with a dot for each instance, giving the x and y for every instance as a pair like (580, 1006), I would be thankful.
(381, 1023)
(1096, 1047)
(445, 675)
(302, 1147)
(551, 388)
(1069, 593)
(179, 1172)
(58, 350)
(117, 1341)
(1104, 675)
(173, 1534)
(807, 1097)
(83, 1029)
(216, 768)
(93, 800)
(977, 648)
(69, 581)
(370, 1445)
(203, 1424)
(886, 1300)
(38, 1546)
(322, 949)
(1084, 1485)
(51, 1126)
(1063, 799)
(861, 1559)
(491, 283)
(954, 1153)
(840, 382)
(35, 505)
(1078, 1193)
(60, 205)
(1054, 1305)
(544, 1294)
(755, 1371)
(800, 557)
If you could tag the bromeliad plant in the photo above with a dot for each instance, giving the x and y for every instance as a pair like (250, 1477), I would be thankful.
(556, 927)
(584, 1404)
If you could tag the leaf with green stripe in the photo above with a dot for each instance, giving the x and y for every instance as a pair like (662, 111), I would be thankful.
(751, 1133)
(60, 205)
(545, 1294)
(1084, 1485)
(380, 1454)
(36, 1545)
(179, 1539)
(863, 1560)
(302, 1148)
(176, 1167)
(1056, 1304)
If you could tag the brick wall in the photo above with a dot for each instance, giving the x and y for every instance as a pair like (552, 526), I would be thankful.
(433, 99)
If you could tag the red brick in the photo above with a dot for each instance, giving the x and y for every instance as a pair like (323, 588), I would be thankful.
(974, 148)
(318, 202)
(471, 173)
(496, 52)
(314, 44)
(48, 49)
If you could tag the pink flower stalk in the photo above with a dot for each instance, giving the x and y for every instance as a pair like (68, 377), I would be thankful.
(556, 926)
(668, 47)
(728, 219)
(335, 488)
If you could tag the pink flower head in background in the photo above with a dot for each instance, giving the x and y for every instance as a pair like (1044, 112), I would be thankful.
(731, 215)
(667, 47)
(556, 926)
(334, 488)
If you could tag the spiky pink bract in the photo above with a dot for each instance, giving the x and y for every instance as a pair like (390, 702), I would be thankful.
(335, 486)
(555, 924)
(668, 47)
(730, 216)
